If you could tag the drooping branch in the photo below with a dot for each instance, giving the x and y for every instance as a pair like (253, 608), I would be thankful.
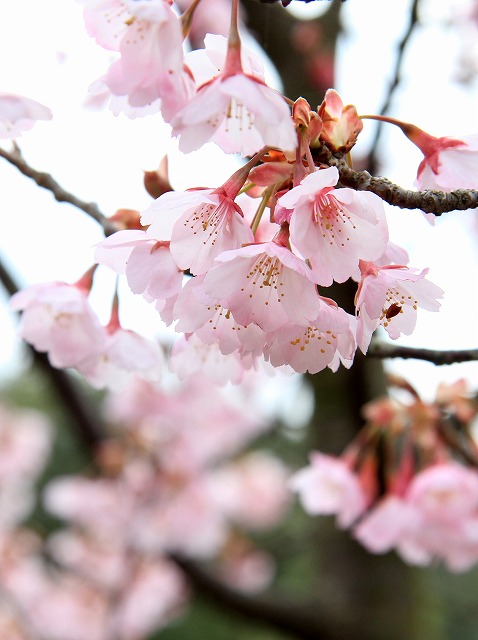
(384, 350)
(372, 162)
(46, 181)
(436, 202)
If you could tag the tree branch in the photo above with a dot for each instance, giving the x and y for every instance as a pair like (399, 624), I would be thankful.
(46, 181)
(451, 437)
(436, 202)
(384, 350)
(372, 162)
(302, 621)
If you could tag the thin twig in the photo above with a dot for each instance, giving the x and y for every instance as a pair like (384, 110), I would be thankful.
(46, 181)
(384, 350)
(452, 439)
(394, 82)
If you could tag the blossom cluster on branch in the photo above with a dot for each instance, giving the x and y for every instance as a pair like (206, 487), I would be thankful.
(421, 496)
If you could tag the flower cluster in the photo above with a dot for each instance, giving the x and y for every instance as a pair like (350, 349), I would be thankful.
(420, 499)
(169, 479)
(257, 288)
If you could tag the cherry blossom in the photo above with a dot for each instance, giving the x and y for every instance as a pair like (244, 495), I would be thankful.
(146, 262)
(18, 114)
(265, 284)
(235, 109)
(190, 356)
(206, 64)
(259, 474)
(209, 223)
(449, 162)
(238, 113)
(334, 228)
(314, 347)
(383, 527)
(445, 492)
(328, 486)
(57, 318)
(148, 35)
(437, 517)
(212, 323)
(390, 296)
(123, 354)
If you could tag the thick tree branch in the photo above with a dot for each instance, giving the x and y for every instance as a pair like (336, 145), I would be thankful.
(436, 202)
(308, 622)
(384, 350)
(46, 181)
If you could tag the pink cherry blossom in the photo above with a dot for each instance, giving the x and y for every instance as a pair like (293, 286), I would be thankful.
(383, 527)
(265, 284)
(257, 474)
(25, 442)
(190, 356)
(58, 319)
(101, 505)
(18, 114)
(123, 355)
(335, 228)
(148, 35)
(212, 323)
(449, 164)
(146, 262)
(184, 519)
(205, 64)
(390, 296)
(437, 517)
(154, 596)
(101, 562)
(445, 492)
(314, 347)
(238, 113)
(328, 486)
(209, 223)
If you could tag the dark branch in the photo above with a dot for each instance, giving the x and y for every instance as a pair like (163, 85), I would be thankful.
(302, 621)
(436, 202)
(385, 350)
(46, 181)
(465, 448)
(394, 82)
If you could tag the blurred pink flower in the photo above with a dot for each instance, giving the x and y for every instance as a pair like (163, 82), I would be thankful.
(57, 318)
(18, 114)
(328, 486)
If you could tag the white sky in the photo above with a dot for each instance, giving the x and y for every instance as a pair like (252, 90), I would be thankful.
(49, 57)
